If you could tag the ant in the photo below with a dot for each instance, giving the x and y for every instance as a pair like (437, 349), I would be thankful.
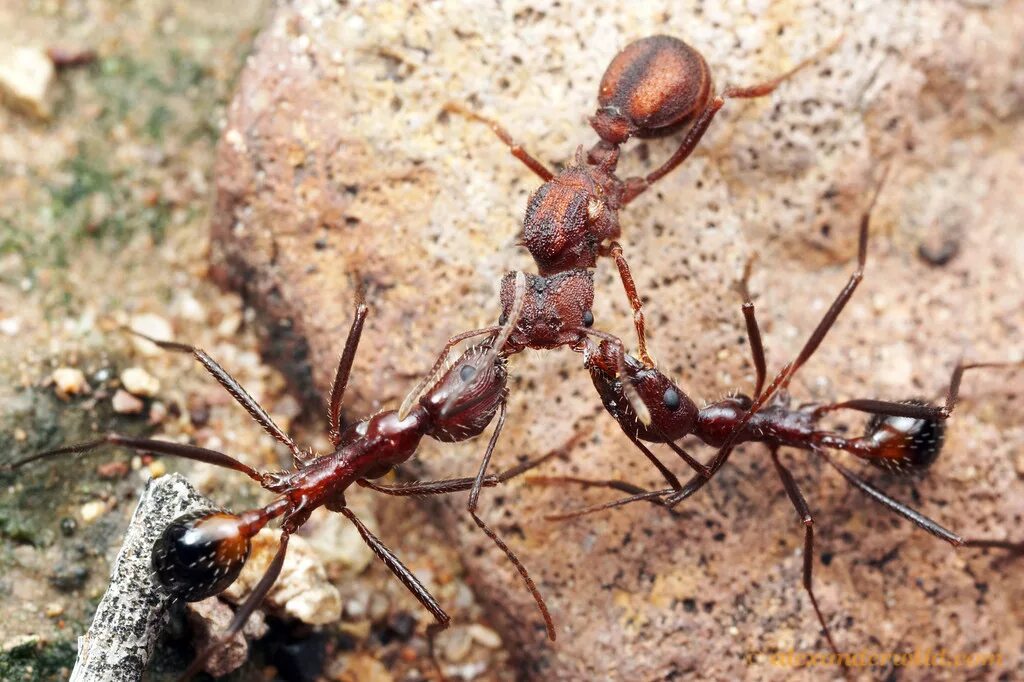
(654, 87)
(900, 437)
(200, 553)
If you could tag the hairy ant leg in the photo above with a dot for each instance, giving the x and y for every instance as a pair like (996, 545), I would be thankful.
(782, 379)
(268, 480)
(913, 409)
(620, 117)
(753, 330)
(615, 251)
(343, 372)
(517, 150)
(236, 390)
(916, 517)
(804, 512)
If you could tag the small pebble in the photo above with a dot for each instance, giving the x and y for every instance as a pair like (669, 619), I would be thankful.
(69, 381)
(91, 511)
(153, 326)
(20, 435)
(138, 381)
(457, 644)
(53, 609)
(157, 413)
(157, 468)
(26, 76)
(112, 470)
(10, 326)
(68, 526)
(485, 636)
(125, 403)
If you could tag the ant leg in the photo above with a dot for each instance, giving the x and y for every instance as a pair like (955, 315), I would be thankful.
(523, 573)
(438, 366)
(246, 609)
(240, 395)
(917, 517)
(474, 493)
(782, 379)
(454, 485)
(615, 251)
(612, 484)
(636, 185)
(891, 409)
(638, 497)
(161, 447)
(753, 330)
(804, 512)
(396, 566)
(517, 150)
(666, 474)
(344, 371)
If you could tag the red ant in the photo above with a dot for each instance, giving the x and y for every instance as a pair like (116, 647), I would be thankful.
(654, 87)
(199, 554)
(901, 437)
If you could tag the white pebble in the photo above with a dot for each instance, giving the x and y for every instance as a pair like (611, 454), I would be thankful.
(125, 403)
(69, 381)
(26, 74)
(485, 636)
(93, 510)
(138, 381)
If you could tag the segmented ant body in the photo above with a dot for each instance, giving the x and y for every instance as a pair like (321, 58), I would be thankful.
(654, 87)
(200, 554)
(900, 437)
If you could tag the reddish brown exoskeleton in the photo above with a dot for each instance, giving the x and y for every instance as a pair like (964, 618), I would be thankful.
(901, 437)
(200, 554)
(655, 86)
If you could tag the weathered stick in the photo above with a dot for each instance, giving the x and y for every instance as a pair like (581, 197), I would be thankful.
(133, 611)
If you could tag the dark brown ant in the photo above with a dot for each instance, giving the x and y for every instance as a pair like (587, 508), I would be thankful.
(901, 437)
(200, 554)
(654, 87)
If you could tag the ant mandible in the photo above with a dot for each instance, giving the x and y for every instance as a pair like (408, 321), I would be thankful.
(654, 87)
(200, 553)
(900, 437)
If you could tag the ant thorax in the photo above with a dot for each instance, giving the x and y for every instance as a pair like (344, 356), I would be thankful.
(555, 309)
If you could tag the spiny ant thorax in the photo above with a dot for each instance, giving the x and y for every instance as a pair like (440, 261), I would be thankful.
(200, 553)
(905, 445)
(570, 216)
(555, 309)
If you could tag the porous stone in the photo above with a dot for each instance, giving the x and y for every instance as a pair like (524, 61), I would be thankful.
(337, 166)
(26, 76)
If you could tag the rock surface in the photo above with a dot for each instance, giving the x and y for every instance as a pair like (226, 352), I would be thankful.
(337, 164)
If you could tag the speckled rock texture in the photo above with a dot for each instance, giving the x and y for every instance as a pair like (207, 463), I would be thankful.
(338, 164)
(133, 611)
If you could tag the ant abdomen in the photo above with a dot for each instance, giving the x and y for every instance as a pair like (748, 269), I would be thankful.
(904, 445)
(651, 87)
(200, 553)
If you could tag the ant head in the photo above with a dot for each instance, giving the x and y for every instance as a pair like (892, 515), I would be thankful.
(568, 217)
(650, 88)
(673, 414)
(200, 553)
(555, 308)
(905, 445)
(463, 401)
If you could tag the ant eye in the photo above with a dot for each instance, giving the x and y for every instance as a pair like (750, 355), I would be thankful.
(502, 319)
(588, 318)
(467, 372)
(671, 399)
